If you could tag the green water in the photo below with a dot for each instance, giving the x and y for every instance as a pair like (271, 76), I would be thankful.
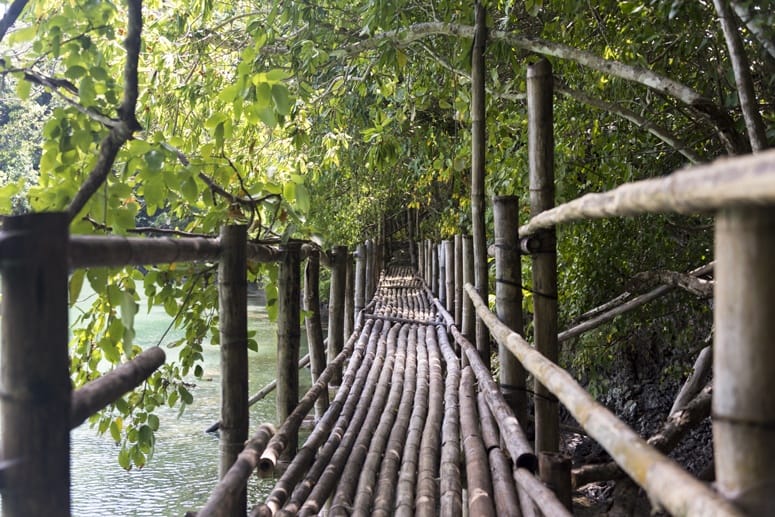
(184, 468)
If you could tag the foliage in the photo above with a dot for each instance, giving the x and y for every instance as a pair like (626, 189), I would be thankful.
(312, 120)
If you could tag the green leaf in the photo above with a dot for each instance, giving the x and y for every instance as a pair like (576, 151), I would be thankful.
(153, 422)
(277, 75)
(185, 395)
(76, 282)
(23, 35)
(123, 459)
(23, 89)
(280, 97)
(115, 430)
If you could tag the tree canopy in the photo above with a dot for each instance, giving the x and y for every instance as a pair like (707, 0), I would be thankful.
(313, 118)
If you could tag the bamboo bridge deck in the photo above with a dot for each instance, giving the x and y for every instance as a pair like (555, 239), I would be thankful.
(390, 442)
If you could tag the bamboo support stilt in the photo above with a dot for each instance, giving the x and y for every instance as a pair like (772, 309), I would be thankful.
(312, 320)
(459, 282)
(336, 307)
(288, 340)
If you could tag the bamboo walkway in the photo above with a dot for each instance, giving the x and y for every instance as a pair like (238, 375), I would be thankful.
(390, 442)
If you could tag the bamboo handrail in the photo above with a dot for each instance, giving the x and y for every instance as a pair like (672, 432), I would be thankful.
(727, 182)
(100, 392)
(662, 478)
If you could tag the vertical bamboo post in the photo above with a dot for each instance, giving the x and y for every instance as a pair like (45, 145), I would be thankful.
(411, 236)
(478, 146)
(369, 269)
(508, 299)
(554, 468)
(459, 281)
(442, 273)
(420, 259)
(541, 163)
(35, 405)
(428, 262)
(360, 278)
(233, 326)
(349, 296)
(317, 348)
(289, 338)
(468, 327)
(449, 279)
(435, 268)
(336, 307)
(744, 358)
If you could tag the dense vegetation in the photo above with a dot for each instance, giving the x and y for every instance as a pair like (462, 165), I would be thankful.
(312, 118)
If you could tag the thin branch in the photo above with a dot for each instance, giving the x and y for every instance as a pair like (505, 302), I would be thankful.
(245, 201)
(719, 118)
(743, 81)
(11, 15)
(696, 286)
(757, 28)
(169, 231)
(123, 131)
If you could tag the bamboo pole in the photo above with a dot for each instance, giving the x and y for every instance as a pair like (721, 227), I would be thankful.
(220, 503)
(368, 477)
(435, 268)
(114, 250)
(442, 273)
(662, 478)
(428, 465)
(468, 315)
(349, 297)
(410, 227)
(288, 339)
(100, 392)
(541, 161)
(449, 280)
(360, 278)
(327, 480)
(508, 299)
(407, 477)
(738, 181)
(312, 320)
(480, 496)
(459, 298)
(478, 151)
(743, 359)
(450, 485)
(420, 258)
(233, 323)
(336, 306)
(339, 414)
(35, 406)
(504, 488)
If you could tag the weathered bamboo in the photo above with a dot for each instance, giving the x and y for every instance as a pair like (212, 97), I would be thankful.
(450, 486)
(544, 499)
(312, 320)
(368, 477)
(459, 297)
(664, 480)
(449, 280)
(420, 258)
(478, 151)
(261, 394)
(279, 441)
(407, 477)
(348, 484)
(336, 307)
(428, 465)
(35, 379)
(435, 268)
(554, 470)
(325, 483)
(339, 413)
(383, 504)
(233, 323)
(541, 161)
(744, 359)
(508, 299)
(504, 489)
(221, 501)
(514, 437)
(693, 383)
(349, 297)
(410, 232)
(442, 273)
(468, 315)
(738, 181)
(100, 392)
(288, 339)
(93, 250)
(479, 483)
(360, 278)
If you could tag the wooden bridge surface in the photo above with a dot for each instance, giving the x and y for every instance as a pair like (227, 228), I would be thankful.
(390, 443)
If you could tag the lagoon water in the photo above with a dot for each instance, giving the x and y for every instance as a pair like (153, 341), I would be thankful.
(184, 467)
